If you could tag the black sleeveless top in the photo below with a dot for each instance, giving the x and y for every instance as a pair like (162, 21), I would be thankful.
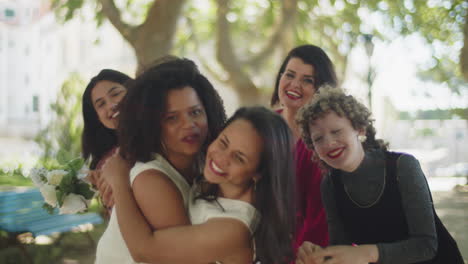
(384, 220)
(380, 222)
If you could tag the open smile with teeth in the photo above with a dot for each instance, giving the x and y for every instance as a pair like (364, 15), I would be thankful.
(116, 114)
(293, 95)
(216, 169)
(335, 153)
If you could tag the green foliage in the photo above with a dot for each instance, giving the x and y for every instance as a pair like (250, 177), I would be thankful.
(425, 132)
(434, 114)
(461, 112)
(61, 139)
(335, 25)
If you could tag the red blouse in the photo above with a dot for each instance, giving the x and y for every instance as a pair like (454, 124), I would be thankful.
(311, 224)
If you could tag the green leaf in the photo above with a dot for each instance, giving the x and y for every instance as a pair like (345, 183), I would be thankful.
(48, 208)
(85, 190)
(67, 184)
(76, 164)
(60, 197)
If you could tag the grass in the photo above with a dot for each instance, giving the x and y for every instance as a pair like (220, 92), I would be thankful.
(14, 177)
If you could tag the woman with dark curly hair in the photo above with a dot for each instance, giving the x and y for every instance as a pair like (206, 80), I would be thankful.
(100, 115)
(378, 204)
(304, 70)
(167, 119)
(241, 210)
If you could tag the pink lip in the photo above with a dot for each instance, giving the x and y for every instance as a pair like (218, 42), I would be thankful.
(191, 138)
(335, 155)
(214, 171)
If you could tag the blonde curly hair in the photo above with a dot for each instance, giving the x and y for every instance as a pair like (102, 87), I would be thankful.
(335, 100)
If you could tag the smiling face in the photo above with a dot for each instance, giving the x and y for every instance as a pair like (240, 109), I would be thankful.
(106, 96)
(184, 123)
(297, 84)
(233, 158)
(336, 142)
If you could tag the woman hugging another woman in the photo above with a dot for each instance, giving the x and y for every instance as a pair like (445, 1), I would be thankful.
(241, 210)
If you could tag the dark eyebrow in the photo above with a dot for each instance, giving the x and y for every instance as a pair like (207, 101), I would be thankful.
(237, 151)
(242, 154)
(110, 91)
(226, 138)
(190, 108)
(305, 75)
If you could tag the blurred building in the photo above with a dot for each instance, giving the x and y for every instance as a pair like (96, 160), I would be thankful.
(435, 143)
(37, 54)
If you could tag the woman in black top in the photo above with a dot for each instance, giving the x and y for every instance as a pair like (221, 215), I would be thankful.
(378, 204)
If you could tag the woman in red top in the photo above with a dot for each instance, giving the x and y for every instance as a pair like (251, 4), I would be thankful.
(302, 72)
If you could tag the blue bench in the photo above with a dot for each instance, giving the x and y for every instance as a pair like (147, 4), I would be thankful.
(21, 212)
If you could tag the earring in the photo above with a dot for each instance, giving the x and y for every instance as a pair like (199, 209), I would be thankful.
(362, 138)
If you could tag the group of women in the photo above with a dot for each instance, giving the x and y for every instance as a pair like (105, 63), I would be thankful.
(184, 185)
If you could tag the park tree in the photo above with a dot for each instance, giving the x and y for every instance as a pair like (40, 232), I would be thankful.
(60, 140)
(240, 42)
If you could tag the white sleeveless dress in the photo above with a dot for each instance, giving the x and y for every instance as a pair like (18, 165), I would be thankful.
(201, 211)
(111, 247)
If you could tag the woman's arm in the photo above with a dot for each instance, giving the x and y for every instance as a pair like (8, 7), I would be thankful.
(154, 203)
(417, 205)
(217, 239)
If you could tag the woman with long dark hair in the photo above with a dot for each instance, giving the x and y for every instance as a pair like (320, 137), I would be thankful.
(305, 69)
(100, 102)
(241, 211)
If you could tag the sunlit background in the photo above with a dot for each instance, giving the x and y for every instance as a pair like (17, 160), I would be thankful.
(410, 62)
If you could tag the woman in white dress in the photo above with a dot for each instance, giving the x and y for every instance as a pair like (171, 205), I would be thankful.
(167, 118)
(243, 209)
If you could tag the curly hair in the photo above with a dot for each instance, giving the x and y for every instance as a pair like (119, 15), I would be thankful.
(335, 100)
(144, 105)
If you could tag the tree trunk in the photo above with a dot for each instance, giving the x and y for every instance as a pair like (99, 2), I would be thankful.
(464, 51)
(155, 36)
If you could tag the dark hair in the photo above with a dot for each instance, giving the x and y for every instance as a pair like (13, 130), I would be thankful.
(145, 103)
(315, 56)
(274, 191)
(96, 139)
(335, 100)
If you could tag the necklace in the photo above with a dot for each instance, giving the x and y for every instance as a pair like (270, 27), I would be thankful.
(378, 196)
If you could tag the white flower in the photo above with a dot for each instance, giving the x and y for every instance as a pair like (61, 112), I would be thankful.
(49, 194)
(73, 204)
(82, 173)
(37, 176)
(55, 177)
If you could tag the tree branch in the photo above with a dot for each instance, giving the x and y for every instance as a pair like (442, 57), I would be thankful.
(203, 62)
(464, 51)
(288, 12)
(113, 14)
(163, 14)
(227, 58)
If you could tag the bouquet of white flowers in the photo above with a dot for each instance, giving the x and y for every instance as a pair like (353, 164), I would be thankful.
(64, 187)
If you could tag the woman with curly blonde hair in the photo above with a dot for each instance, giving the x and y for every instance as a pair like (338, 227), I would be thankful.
(378, 204)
